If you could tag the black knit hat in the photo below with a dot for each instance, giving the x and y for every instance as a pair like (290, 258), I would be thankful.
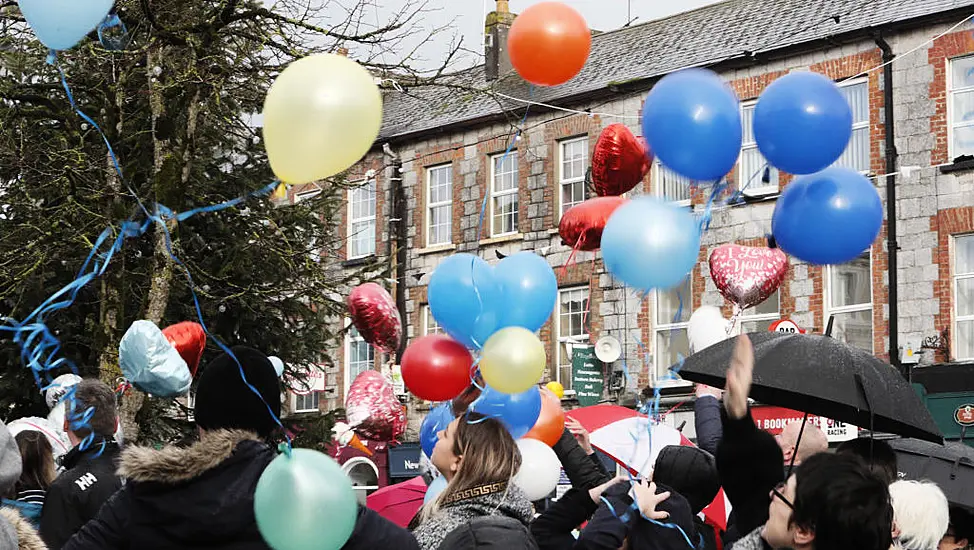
(223, 401)
(691, 472)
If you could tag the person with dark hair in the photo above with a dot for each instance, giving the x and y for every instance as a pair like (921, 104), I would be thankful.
(16, 532)
(960, 530)
(89, 478)
(691, 472)
(38, 473)
(876, 453)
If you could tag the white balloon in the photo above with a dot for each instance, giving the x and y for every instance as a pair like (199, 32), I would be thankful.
(540, 469)
(707, 327)
(278, 365)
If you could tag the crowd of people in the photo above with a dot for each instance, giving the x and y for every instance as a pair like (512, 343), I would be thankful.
(787, 491)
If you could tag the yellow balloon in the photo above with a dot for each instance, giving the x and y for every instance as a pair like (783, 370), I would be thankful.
(513, 360)
(321, 116)
(556, 388)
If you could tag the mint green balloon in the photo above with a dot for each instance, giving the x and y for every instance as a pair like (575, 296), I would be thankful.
(305, 502)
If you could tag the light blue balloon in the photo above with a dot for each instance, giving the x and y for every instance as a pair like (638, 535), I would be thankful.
(519, 412)
(692, 121)
(649, 243)
(60, 24)
(305, 502)
(530, 289)
(434, 489)
(802, 123)
(465, 299)
(151, 363)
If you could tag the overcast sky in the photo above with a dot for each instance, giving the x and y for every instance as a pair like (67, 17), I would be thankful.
(468, 17)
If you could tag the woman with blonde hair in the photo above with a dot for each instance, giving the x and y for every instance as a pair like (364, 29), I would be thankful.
(479, 458)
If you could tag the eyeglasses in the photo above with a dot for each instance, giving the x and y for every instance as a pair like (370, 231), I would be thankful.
(777, 492)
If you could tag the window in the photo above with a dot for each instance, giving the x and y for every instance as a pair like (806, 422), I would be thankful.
(760, 317)
(672, 313)
(670, 185)
(754, 175)
(856, 155)
(961, 106)
(430, 326)
(439, 205)
(361, 221)
(359, 356)
(306, 403)
(573, 305)
(364, 476)
(964, 296)
(574, 160)
(503, 194)
(850, 301)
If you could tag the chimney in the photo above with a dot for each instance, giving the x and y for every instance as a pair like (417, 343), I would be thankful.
(496, 27)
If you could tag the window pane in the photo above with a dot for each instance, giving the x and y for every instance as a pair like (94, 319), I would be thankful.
(855, 328)
(856, 154)
(671, 346)
(962, 71)
(752, 170)
(747, 124)
(965, 297)
(964, 341)
(505, 172)
(573, 159)
(572, 313)
(964, 255)
(361, 356)
(564, 373)
(440, 184)
(963, 141)
(432, 327)
(572, 194)
(670, 185)
(755, 326)
(858, 97)
(440, 224)
(505, 214)
(851, 283)
(767, 307)
(362, 239)
(674, 306)
(963, 108)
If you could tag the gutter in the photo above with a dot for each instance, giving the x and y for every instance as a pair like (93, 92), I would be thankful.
(396, 245)
(891, 245)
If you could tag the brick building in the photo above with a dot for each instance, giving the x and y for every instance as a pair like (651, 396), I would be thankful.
(441, 149)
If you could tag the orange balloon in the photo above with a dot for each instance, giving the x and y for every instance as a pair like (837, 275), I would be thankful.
(549, 43)
(551, 422)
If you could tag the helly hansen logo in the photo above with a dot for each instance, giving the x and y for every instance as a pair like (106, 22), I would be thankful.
(86, 481)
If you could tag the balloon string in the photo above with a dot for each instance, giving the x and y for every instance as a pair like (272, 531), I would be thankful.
(571, 257)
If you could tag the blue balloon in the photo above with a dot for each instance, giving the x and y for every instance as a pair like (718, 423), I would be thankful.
(802, 123)
(519, 411)
(830, 217)
(437, 419)
(151, 363)
(692, 121)
(529, 290)
(60, 24)
(434, 489)
(648, 243)
(465, 299)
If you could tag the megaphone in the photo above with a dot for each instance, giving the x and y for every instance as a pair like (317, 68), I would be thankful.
(608, 349)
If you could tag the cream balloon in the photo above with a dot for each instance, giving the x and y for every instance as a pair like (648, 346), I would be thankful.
(540, 469)
(321, 116)
(513, 360)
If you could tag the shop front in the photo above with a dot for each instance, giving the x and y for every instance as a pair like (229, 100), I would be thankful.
(948, 392)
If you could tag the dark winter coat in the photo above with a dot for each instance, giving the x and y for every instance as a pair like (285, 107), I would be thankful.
(184, 498)
(374, 531)
(506, 501)
(706, 422)
(584, 471)
(75, 497)
(490, 533)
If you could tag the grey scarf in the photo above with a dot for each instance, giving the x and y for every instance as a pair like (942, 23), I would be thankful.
(511, 503)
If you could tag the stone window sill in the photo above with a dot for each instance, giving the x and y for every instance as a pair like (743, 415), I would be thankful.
(958, 166)
(502, 239)
(356, 262)
(436, 249)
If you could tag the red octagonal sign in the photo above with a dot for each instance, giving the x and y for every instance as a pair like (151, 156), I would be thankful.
(964, 415)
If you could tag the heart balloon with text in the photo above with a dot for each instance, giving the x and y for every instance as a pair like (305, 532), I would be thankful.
(747, 275)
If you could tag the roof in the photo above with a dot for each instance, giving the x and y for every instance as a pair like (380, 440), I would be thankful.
(702, 37)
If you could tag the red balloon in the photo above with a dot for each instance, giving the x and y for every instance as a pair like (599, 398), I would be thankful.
(581, 227)
(436, 368)
(620, 161)
(747, 275)
(375, 316)
(551, 423)
(189, 339)
(549, 43)
(372, 408)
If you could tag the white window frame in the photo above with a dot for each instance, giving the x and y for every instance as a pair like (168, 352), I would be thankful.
(748, 317)
(755, 189)
(430, 205)
(352, 220)
(829, 310)
(955, 278)
(430, 323)
(657, 177)
(949, 75)
(580, 339)
(562, 181)
(297, 398)
(661, 326)
(348, 355)
(861, 125)
(512, 155)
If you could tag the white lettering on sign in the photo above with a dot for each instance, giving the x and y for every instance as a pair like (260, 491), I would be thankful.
(410, 465)
(86, 481)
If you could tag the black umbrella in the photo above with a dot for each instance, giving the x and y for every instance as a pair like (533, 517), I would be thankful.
(822, 376)
(950, 466)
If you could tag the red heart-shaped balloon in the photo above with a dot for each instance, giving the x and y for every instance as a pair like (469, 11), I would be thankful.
(372, 408)
(620, 161)
(747, 275)
(581, 227)
(375, 316)
(189, 339)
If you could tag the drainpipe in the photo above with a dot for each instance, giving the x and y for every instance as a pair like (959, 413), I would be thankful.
(396, 246)
(891, 245)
